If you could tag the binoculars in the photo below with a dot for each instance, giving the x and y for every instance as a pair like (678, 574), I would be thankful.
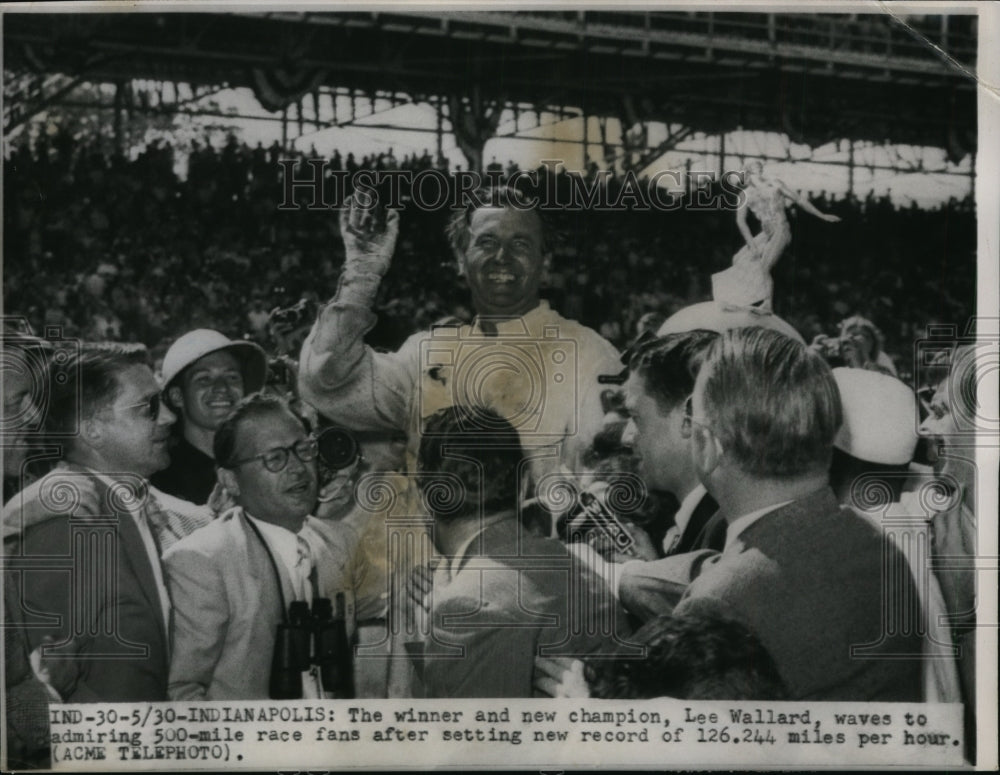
(310, 646)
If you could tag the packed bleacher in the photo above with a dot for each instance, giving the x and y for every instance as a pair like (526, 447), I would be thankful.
(125, 249)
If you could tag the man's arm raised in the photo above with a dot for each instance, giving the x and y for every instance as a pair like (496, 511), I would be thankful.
(338, 374)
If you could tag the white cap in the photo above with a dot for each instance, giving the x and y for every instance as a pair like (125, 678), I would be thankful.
(710, 316)
(880, 417)
(202, 341)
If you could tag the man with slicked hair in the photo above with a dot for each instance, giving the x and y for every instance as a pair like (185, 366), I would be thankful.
(112, 626)
(803, 573)
(501, 596)
(661, 377)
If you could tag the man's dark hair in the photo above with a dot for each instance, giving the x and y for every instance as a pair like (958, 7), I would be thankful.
(250, 407)
(92, 386)
(470, 463)
(669, 365)
(694, 656)
(457, 230)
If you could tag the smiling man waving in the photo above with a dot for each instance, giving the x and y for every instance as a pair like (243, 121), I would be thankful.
(519, 358)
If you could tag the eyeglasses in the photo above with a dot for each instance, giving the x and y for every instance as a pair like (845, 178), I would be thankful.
(151, 404)
(690, 416)
(276, 459)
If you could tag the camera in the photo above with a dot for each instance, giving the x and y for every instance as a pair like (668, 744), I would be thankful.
(830, 348)
(338, 448)
(593, 515)
(529, 380)
(589, 506)
(301, 313)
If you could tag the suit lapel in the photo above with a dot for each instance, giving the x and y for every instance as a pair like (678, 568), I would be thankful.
(132, 553)
(262, 565)
(702, 513)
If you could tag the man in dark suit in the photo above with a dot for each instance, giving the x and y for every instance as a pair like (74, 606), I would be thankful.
(803, 573)
(661, 377)
(501, 595)
(107, 610)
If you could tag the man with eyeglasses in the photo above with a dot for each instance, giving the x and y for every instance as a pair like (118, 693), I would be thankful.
(113, 626)
(232, 581)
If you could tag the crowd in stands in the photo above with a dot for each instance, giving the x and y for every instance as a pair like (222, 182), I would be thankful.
(115, 248)
(702, 512)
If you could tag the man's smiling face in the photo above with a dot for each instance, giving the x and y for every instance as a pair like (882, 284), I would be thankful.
(210, 389)
(504, 262)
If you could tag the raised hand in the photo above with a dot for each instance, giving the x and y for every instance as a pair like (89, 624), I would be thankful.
(369, 234)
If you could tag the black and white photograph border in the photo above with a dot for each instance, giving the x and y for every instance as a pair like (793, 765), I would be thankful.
(465, 250)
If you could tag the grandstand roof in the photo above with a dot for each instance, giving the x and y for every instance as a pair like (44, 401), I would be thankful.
(816, 77)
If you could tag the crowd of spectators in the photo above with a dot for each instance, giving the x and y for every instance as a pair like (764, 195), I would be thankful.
(109, 247)
(244, 509)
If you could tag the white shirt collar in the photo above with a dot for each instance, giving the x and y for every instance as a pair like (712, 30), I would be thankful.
(519, 325)
(687, 507)
(455, 561)
(740, 524)
(282, 541)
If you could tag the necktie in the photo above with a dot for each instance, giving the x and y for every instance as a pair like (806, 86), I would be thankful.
(168, 525)
(155, 524)
(305, 573)
(159, 526)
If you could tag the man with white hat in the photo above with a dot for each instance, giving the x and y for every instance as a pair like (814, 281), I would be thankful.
(871, 465)
(876, 441)
(205, 374)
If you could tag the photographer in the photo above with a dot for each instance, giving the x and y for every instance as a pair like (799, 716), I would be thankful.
(857, 346)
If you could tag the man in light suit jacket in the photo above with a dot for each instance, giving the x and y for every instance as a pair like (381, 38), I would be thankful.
(232, 581)
(802, 572)
(500, 595)
(112, 626)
